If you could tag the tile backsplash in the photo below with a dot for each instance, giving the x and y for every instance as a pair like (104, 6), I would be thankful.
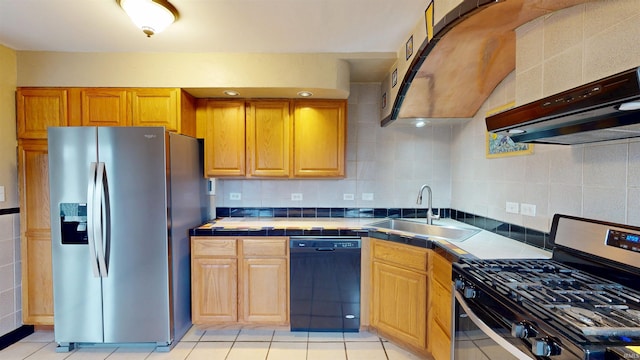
(10, 290)
(519, 233)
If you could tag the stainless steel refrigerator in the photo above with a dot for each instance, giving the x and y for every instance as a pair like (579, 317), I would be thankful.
(122, 201)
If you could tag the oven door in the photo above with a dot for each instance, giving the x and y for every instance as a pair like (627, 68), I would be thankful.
(478, 335)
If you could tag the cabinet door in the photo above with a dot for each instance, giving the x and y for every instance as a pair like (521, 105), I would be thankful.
(35, 233)
(399, 303)
(104, 107)
(38, 109)
(440, 346)
(155, 107)
(214, 290)
(268, 138)
(319, 138)
(264, 298)
(224, 140)
(440, 306)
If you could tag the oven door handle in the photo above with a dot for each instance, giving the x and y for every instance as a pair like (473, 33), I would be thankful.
(488, 331)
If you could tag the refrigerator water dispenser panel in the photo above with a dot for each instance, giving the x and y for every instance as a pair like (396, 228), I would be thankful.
(73, 221)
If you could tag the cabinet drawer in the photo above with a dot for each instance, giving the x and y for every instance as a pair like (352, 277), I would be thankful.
(213, 247)
(403, 255)
(440, 344)
(264, 247)
(441, 269)
(440, 308)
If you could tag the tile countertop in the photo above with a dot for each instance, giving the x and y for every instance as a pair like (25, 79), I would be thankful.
(483, 245)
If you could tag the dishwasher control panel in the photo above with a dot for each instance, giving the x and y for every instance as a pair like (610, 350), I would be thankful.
(320, 242)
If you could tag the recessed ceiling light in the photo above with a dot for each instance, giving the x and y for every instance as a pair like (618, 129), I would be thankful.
(305, 93)
(420, 123)
(231, 93)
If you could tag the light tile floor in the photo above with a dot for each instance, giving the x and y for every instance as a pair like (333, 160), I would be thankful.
(245, 344)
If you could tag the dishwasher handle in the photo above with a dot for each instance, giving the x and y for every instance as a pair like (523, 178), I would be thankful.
(326, 249)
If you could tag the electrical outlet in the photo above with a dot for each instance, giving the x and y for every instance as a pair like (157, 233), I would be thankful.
(367, 196)
(1, 193)
(512, 207)
(296, 196)
(528, 209)
(235, 196)
(348, 197)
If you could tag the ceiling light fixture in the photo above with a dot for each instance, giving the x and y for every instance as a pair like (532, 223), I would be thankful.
(151, 16)
(231, 93)
(305, 93)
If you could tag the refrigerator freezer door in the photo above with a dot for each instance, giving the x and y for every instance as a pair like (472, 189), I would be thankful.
(136, 289)
(77, 292)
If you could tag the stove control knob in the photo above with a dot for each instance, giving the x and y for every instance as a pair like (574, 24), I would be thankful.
(545, 347)
(459, 284)
(470, 292)
(522, 330)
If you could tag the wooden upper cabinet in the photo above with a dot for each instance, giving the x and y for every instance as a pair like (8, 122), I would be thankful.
(155, 107)
(282, 138)
(319, 138)
(104, 107)
(38, 109)
(225, 138)
(268, 137)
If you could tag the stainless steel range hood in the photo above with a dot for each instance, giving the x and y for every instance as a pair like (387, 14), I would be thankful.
(607, 109)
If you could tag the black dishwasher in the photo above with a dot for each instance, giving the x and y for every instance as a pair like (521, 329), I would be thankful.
(325, 284)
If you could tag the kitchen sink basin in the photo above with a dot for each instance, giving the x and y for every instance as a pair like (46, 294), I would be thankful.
(449, 233)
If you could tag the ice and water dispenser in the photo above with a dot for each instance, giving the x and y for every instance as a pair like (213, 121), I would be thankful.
(73, 223)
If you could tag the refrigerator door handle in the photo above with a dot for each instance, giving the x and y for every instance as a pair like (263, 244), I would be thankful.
(91, 189)
(100, 218)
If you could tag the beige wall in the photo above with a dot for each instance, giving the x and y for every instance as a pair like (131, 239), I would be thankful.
(324, 74)
(8, 143)
(10, 301)
(554, 53)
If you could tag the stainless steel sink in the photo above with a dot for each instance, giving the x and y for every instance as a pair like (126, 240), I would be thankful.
(449, 233)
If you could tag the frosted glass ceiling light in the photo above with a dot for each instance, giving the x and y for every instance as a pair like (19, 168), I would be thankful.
(151, 16)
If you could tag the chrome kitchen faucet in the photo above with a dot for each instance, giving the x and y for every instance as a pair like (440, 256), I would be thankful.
(430, 216)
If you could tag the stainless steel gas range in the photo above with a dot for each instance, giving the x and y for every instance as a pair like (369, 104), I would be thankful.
(583, 303)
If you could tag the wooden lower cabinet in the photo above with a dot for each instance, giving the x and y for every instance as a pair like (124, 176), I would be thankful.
(411, 297)
(400, 303)
(439, 343)
(440, 296)
(215, 294)
(399, 293)
(242, 281)
(264, 295)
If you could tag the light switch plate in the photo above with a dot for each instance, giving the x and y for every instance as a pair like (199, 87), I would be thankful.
(528, 209)
(296, 196)
(235, 196)
(1, 193)
(512, 207)
(348, 197)
(367, 196)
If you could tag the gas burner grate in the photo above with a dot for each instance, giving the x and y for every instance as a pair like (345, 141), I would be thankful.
(593, 305)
